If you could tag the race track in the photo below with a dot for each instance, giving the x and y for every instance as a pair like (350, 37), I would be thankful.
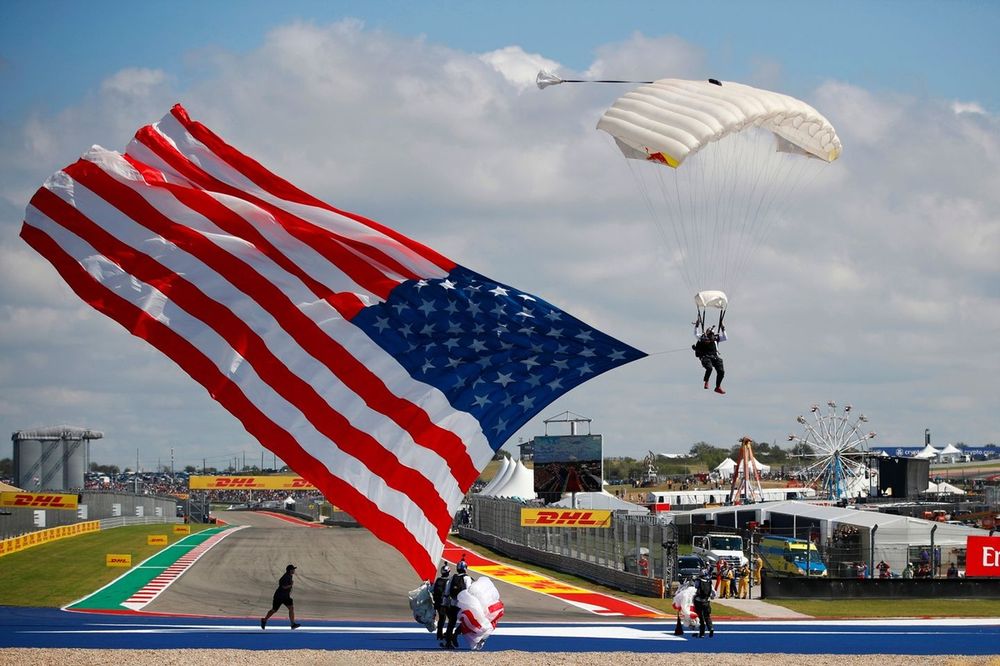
(342, 573)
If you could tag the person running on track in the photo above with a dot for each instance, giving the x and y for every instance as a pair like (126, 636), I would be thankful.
(283, 596)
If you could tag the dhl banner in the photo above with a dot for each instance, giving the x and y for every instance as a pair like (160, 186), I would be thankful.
(14, 544)
(38, 500)
(156, 539)
(565, 518)
(182, 529)
(249, 483)
(118, 559)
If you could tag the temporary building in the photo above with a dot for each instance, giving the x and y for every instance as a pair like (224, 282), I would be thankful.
(520, 485)
(726, 466)
(950, 453)
(944, 488)
(893, 535)
(926, 452)
(601, 500)
(506, 467)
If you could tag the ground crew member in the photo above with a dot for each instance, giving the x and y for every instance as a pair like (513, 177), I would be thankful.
(283, 596)
(744, 581)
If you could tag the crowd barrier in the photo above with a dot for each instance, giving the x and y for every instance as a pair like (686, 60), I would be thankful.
(38, 537)
(776, 587)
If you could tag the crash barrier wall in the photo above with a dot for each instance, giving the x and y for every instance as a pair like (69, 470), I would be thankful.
(38, 537)
(595, 553)
(122, 521)
(641, 585)
(880, 588)
(91, 506)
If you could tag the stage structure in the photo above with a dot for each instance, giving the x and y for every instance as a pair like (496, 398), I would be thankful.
(53, 458)
(571, 463)
(745, 487)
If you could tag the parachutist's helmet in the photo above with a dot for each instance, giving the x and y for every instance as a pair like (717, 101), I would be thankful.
(461, 567)
(445, 571)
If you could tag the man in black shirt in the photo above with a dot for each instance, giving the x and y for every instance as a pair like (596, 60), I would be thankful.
(283, 596)
(440, 602)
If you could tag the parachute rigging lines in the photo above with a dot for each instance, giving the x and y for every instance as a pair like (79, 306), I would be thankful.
(715, 164)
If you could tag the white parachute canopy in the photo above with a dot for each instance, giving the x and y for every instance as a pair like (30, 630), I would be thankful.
(715, 162)
(711, 299)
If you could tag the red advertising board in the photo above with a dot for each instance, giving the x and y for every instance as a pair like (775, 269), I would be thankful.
(982, 556)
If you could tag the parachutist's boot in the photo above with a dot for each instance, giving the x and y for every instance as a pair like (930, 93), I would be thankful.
(706, 384)
(718, 389)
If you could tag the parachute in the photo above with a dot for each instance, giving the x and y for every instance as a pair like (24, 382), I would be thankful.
(684, 604)
(480, 609)
(715, 162)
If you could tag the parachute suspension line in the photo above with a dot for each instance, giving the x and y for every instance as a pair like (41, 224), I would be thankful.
(755, 158)
(644, 191)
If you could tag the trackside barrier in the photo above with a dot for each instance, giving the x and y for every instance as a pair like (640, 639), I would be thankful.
(622, 580)
(37, 538)
(634, 553)
(777, 587)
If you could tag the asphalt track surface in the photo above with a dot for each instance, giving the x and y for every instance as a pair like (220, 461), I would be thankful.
(342, 573)
(351, 594)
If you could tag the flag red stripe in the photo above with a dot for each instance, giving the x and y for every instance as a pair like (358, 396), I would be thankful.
(281, 188)
(248, 344)
(323, 240)
(231, 222)
(384, 526)
(305, 331)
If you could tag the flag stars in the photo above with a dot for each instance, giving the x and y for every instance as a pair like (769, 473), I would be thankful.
(530, 362)
(584, 336)
(555, 333)
(527, 402)
(498, 291)
(481, 401)
(585, 369)
(427, 366)
(478, 346)
(503, 378)
(381, 323)
(526, 297)
(552, 315)
(447, 284)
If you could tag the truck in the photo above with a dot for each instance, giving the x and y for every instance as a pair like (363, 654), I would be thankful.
(715, 547)
(791, 557)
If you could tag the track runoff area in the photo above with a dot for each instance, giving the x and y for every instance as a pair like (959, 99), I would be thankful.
(113, 618)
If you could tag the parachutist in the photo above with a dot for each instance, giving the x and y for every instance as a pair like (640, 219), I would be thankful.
(707, 349)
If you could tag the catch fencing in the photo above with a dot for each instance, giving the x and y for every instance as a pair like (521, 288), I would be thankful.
(635, 553)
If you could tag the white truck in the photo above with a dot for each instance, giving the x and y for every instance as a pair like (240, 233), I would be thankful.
(715, 547)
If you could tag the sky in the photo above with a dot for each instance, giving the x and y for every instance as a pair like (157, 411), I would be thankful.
(878, 288)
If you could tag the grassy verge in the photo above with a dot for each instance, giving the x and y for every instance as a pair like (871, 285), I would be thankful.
(893, 607)
(661, 605)
(57, 573)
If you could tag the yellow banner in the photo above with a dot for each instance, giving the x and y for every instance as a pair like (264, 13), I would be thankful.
(249, 483)
(38, 500)
(565, 518)
(156, 540)
(14, 544)
(118, 559)
(182, 529)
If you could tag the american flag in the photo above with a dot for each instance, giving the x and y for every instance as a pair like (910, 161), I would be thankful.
(379, 370)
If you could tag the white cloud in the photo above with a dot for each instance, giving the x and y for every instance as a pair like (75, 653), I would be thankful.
(879, 289)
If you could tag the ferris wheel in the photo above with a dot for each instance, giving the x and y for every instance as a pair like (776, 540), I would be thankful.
(835, 452)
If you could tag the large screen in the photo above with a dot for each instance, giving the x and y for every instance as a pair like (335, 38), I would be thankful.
(568, 463)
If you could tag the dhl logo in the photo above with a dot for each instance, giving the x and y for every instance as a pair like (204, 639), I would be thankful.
(249, 483)
(118, 560)
(38, 500)
(565, 518)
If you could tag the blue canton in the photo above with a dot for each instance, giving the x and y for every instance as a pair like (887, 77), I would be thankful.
(498, 353)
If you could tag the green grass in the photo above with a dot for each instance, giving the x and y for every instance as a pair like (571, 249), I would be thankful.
(893, 607)
(664, 606)
(57, 573)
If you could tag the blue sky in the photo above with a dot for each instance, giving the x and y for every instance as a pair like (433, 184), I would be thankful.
(54, 52)
(886, 295)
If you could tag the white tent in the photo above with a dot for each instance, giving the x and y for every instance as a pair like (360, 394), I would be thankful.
(726, 467)
(506, 467)
(520, 484)
(927, 452)
(944, 488)
(600, 500)
(950, 453)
